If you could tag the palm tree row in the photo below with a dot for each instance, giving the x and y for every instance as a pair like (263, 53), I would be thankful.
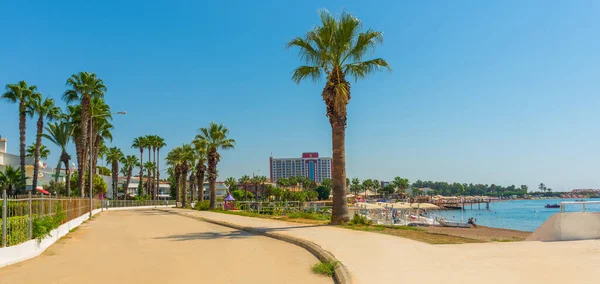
(85, 99)
(152, 143)
(193, 158)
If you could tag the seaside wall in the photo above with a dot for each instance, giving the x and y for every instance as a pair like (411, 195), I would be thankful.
(568, 227)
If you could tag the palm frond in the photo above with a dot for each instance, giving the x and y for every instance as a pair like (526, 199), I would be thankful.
(359, 70)
(303, 72)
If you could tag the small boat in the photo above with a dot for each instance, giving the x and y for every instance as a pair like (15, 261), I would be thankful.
(452, 207)
(552, 206)
(445, 223)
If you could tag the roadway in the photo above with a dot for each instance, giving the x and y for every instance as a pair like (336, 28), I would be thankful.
(148, 246)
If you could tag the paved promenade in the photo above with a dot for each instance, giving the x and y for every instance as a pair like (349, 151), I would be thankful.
(377, 258)
(149, 246)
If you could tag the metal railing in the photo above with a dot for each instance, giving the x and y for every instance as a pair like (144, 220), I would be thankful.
(28, 218)
(583, 204)
(135, 203)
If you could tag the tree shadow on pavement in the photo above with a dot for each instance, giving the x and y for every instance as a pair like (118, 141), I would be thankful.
(270, 229)
(207, 236)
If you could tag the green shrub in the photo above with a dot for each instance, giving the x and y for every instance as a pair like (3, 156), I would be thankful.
(325, 268)
(17, 230)
(42, 226)
(359, 220)
(202, 205)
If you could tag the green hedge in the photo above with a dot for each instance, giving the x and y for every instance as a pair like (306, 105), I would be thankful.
(16, 230)
(17, 227)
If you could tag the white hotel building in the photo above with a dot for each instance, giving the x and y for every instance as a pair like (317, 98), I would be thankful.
(310, 165)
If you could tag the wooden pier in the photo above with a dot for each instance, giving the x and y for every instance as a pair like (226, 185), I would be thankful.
(465, 204)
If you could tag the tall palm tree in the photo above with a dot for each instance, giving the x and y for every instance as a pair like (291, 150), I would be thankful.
(114, 156)
(186, 159)
(336, 49)
(22, 94)
(129, 162)
(159, 143)
(45, 109)
(262, 180)
(149, 166)
(200, 149)
(216, 139)
(174, 160)
(83, 87)
(149, 143)
(140, 143)
(60, 134)
(102, 130)
(44, 151)
(245, 181)
(12, 179)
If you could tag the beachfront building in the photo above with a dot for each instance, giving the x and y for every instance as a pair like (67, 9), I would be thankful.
(221, 190)
(310, 165)
(7, 159)
(164, 189)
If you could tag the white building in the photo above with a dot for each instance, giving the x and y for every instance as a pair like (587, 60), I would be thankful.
(164, 189)
(221, 190)
(310, 165)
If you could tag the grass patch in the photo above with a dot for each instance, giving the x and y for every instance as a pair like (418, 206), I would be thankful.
(297, 217)
(413, 233)
(325, 268)
(505, 240)
(308, 215)
(360, 224)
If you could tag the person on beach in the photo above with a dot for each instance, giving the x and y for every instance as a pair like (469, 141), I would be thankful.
(472, 222)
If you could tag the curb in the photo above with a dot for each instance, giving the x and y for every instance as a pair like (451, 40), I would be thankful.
(341, 274)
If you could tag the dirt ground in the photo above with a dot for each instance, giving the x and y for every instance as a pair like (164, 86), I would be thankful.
(147, 246)
(481, 233)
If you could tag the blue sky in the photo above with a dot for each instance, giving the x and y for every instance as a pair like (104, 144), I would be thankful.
(503, 92)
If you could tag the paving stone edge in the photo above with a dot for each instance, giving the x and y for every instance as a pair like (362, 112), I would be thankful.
(341, 274)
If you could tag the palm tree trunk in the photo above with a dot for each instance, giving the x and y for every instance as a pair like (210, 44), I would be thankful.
(340, 208)
(115, 178)
(178, 180)
(184, 188)
(158, 169)
(129, 173)
(140, 184)
(36, 156)
(83, 140)
(58, 169)
(155, 180)
(65, 159)
(212, 177)
(200, 180)
(192, 187)
(148, 183)
(22, 126)
(96, 150)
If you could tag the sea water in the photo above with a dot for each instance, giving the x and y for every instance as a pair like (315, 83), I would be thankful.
(522, 215)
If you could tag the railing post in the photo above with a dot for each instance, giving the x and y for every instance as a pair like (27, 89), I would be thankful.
(30, 216)
(4, 217)
(43, 213)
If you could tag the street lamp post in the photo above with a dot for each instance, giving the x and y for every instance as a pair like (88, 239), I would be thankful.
(91, 156)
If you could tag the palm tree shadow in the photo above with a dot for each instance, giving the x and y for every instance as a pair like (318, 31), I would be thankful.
(207, 236)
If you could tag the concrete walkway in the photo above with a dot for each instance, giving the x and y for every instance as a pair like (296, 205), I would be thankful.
(377, 258)
(149, 246)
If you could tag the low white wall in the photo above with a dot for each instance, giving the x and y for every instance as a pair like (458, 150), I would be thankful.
(139, 207)
(568, 227)
(32, 248)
